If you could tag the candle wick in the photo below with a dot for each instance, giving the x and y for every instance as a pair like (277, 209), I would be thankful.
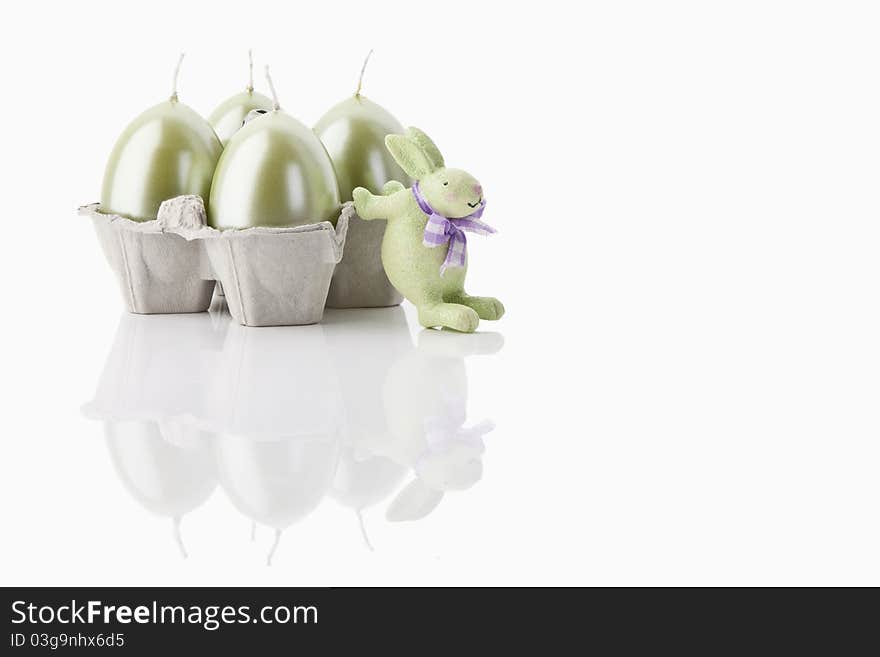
(178, 538)
(361, 78)
(277, 106)
(364, 534)
(250, 87)
(274, 547)
(174, 80)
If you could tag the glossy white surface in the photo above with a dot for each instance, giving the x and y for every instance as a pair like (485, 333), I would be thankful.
(688, 385)
(282, 418)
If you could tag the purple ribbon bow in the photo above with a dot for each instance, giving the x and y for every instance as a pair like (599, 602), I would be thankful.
(440, 230)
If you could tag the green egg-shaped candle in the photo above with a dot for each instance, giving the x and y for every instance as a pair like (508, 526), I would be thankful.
(167, 151)
(229, 116)
(354, 132)
(273, 172)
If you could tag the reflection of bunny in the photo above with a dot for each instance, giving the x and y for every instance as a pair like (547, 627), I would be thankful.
(429, 267)
(425, 402)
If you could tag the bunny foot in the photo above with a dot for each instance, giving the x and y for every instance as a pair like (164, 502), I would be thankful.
(486, 307)
(451, 315)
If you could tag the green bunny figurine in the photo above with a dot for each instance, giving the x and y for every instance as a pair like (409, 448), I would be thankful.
(424, 248)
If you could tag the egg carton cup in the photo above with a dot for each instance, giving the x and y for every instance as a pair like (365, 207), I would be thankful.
(360, 280)
(270, 276)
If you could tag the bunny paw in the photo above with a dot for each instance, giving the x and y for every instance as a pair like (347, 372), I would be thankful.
(486, 307)
(361, 196)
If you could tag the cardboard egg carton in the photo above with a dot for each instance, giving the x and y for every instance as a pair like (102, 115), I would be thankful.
(270, 276)
(359, 280)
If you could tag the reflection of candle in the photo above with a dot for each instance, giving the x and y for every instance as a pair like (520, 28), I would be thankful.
(276, 482)
(273, 172)
(362, 357)
(169, 480)
(167, 151)
(274, 399)
(148, 393)
(228, 118)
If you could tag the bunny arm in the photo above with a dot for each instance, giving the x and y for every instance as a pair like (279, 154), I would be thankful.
(369, 206)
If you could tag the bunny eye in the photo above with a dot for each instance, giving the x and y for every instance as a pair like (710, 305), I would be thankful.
(445, 184)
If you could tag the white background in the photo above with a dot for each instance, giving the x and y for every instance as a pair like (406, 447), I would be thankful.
(686, 194)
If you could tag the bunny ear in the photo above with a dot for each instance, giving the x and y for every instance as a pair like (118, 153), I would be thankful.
(413, 502)
(428, 147)
(409, 156)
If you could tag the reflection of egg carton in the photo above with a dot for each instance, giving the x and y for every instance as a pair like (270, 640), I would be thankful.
(271, 276)
(264, 386)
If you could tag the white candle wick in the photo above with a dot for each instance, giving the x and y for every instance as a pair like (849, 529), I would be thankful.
(178, 538)
(277, 105)
(361, 78)
(364, 534)
(174, 80)
(274, 547)
(250, 87)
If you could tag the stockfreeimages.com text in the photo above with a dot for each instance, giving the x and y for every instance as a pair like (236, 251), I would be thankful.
(211, 617)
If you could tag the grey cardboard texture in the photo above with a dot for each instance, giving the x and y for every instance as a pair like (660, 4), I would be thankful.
(359, 280)
(270, 276)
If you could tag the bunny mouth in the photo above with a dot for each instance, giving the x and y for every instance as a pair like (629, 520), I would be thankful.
(473, 205)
